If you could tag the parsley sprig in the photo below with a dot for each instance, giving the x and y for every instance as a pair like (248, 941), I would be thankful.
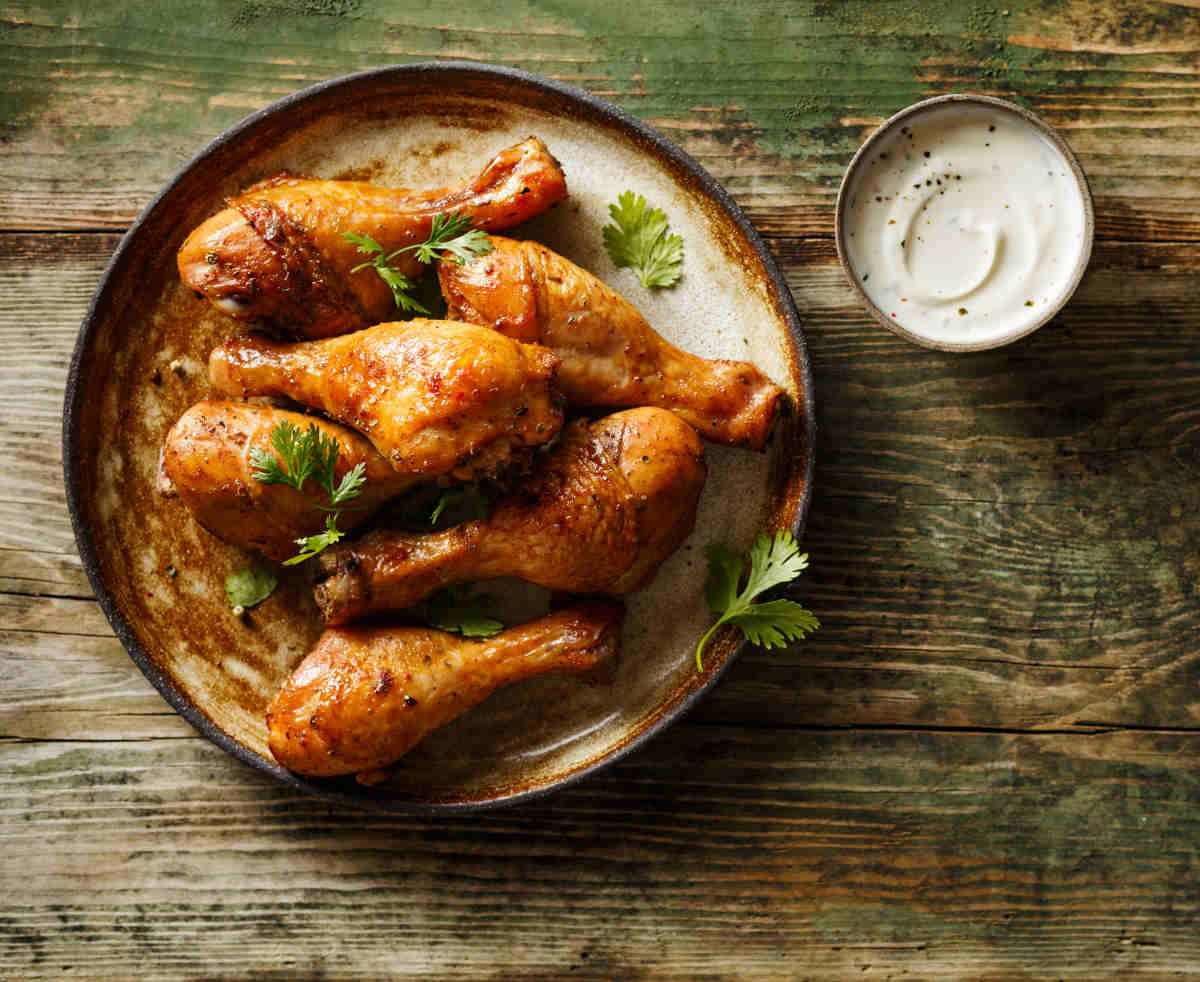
(450, 234)
(774, 560)
(305, 455)
(638, 239)
(248, 588)
(466, 502)
(313, 544)
(460, 610)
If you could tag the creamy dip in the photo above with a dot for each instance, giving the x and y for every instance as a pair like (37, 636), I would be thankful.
(964, 224)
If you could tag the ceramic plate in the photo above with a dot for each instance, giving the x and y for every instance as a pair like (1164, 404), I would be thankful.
(139, 363)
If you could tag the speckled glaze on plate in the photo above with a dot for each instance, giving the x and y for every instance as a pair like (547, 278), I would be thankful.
(140, 359)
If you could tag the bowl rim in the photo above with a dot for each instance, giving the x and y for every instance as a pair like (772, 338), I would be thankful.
(365, 798)
(1029, 118)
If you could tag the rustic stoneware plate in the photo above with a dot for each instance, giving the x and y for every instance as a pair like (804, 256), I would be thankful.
(140, 362)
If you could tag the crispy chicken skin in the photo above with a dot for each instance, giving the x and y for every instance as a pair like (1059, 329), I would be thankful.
(611, 357)
(600, 513)
(206, 462)
(365, 696)
(436, 398)
(276, 254)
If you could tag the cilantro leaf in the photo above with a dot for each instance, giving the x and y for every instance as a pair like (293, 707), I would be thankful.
(774, 560)
(305, 454)
(313, 544)
(367, 246)
(467, 500)
(638, 240)
(724, 572)
(450, 234)
(401, 287)
(351, 486)
(773, 623)
(460, 611)
(249, 587)
(296, 456)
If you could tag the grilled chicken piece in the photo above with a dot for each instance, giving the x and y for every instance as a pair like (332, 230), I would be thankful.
(276, 253)
(434, 397)
(365, 696)
(600, 514)
(206, 462)
(611, 357)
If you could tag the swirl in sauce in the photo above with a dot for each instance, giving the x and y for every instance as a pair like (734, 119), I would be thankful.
(965, 225)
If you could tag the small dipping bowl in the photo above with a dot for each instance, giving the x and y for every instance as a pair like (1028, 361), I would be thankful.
(964, 223)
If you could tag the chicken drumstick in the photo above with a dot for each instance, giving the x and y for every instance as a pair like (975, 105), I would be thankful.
(434, 397)
(365, 696)
(604, 509)
(611, 357)
(277, 254)
(206, 461)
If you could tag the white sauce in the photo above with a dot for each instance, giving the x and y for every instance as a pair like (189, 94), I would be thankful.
(964, 225)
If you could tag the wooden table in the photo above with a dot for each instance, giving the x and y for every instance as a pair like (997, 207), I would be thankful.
(983, 766)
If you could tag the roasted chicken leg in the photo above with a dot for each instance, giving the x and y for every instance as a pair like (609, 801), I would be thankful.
(611, 357)
(365, 696)
(206, 462)
(600, 514)
(277, 254)
(434, 397)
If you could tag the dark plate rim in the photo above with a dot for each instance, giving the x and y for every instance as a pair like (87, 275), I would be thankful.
(365, 798)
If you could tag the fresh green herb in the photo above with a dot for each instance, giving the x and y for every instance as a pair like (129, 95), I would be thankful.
(430, 506)
(450, 235)
(459, 610)
(467, 500)
(774, 560)
(249, 587)
(639, 241)
(313, 544)
(305, 455)
(400, 285)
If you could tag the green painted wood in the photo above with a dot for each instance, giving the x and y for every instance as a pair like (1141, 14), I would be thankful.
(101, 106)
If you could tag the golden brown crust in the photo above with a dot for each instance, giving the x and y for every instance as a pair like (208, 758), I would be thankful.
(206, 462)
(277, 254)
(365, 696)
(437, 398)
(309, 294)
(600, 513)
(611, 357)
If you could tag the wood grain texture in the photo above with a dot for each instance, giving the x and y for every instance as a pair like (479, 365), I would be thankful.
(983, 765)
(990, 566)
(716, 853)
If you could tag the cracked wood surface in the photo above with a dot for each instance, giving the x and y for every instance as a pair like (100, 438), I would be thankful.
(982, 766)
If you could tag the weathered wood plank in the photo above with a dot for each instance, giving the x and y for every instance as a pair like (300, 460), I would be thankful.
(998, 540)
(26, 571)
(715, 853)
(1004, 540)
(46, 282)
(100, 110)
(62, 686)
